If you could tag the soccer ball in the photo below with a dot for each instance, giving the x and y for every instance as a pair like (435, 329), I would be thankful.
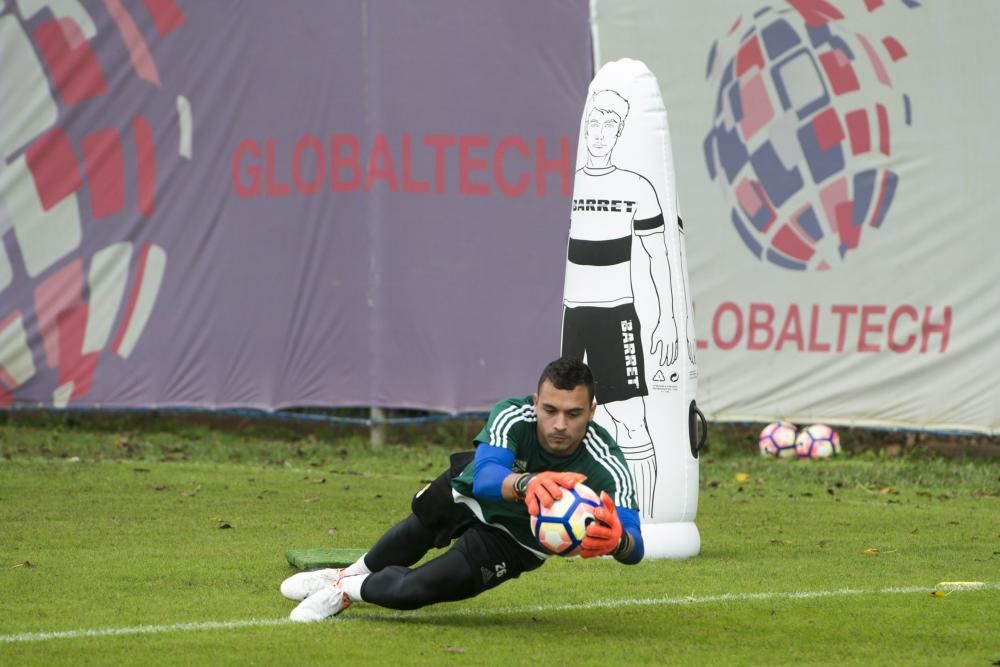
(818, 441)
(777, 440)
(561, 527)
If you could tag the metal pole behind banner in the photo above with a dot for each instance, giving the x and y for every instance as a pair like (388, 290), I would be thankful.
(376, 432)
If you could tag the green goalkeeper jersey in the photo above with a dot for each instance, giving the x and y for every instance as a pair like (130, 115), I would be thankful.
(512, 426)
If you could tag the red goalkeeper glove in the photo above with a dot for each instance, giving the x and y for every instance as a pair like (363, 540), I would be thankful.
(604, 533)
(541, 489)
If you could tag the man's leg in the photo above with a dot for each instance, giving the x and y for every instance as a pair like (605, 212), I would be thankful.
(444, 579)
(387, 564)
(481, 559)
(435, 520)
(574, 333)
(632, 434)
(403, 544)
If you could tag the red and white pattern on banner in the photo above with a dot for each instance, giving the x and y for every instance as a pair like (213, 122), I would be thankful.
(79, 303)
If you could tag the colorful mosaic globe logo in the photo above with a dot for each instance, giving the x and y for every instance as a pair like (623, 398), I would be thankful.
(803, 132)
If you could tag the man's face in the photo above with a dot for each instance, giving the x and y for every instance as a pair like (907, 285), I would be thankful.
(563, 416)
(603, 128)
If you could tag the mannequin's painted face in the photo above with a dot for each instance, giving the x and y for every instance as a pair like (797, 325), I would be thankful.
(603, 128)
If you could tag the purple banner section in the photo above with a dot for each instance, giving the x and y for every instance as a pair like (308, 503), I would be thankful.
(260, 204)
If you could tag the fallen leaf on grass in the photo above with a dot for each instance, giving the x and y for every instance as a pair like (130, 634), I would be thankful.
(26, 563)
(454, 649)
(321, 480)
(126, 447)
(875, 551)
(311, 500)
(742, 476)
(940, 594)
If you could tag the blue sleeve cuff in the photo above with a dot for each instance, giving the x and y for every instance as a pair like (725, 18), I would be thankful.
(490, 469)
(631, 525)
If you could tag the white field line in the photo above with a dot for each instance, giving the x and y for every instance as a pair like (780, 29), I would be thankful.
(490, 611)
(693, 599)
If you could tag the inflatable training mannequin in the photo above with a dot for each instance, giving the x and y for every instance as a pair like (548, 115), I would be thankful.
(626, 304)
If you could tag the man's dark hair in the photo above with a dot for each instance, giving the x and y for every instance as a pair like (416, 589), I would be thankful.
(567, 373)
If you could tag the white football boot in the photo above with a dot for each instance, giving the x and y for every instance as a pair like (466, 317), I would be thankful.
(300, 586)
(329, 601)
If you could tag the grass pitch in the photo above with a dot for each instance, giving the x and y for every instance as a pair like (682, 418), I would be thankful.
(154, 543)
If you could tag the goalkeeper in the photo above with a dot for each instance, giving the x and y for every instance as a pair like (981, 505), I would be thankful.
(529, 451)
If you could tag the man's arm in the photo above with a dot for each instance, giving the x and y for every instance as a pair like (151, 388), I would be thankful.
(692, 344)
(664, 336)
(492, 478)
(631, 549)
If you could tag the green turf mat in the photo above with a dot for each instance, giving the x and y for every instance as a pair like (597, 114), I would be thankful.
(311, 559)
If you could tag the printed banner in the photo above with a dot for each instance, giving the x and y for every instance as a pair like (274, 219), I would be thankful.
(834, 167)
(267, 204)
